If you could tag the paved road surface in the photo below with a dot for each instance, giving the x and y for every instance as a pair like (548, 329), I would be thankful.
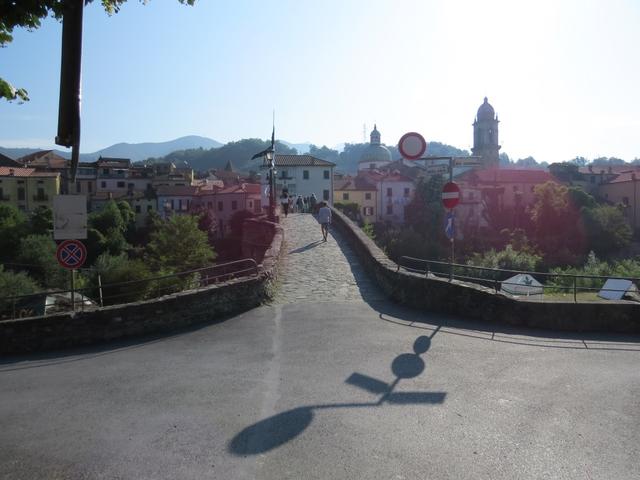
(338, 388)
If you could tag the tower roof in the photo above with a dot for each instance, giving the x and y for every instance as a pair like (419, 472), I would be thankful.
(486, 111)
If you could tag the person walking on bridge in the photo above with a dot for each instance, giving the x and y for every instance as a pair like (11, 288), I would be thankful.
(324, 217)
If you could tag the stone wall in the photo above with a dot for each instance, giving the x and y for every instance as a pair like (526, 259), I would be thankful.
(152, 316)
(476, 302)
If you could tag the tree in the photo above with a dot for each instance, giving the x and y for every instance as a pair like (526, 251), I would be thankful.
(13, 226)
(112, 224)
(14, 284)
(29, 14)
(41, 220)
(179, 245)
(607, 231)
(38, 255)
(115, 269)
(324, 153)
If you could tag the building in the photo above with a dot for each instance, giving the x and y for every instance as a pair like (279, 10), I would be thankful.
(624, 189)
(376, 155)
(485, 136)
(224, 203)
(300, 175)
(359, 191)
(175, 199)
(394, 192)
(48, 161)
(28, 189)
(9, 162)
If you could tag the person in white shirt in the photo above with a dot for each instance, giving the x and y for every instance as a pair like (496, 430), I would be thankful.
(324, 217)
(284, 201)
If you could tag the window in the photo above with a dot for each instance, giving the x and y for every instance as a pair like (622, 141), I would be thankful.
(389, 192)
(234, 204)
(2, 194)
(515, 188)
(325, 195)
(89, 187)
(305, 174)
(592, 179)
(625, 201)
(130, 186)
(149, 208)
(40, 195)
(138, 209)
(103, 184)
(172, 204)
(389, 209)
(78, 187)
(367, 211)
(21, 193)
(256, 206)
(209, 205)
(283, 174)
(407, 192)
(345, 196)
(367, 196)
(40, 182)
(220, 206)
(120, 184)
(326, 174)
(179, 204)
(105, 171)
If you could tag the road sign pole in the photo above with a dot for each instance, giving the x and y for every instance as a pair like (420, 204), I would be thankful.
(73, 290)
(453, 242)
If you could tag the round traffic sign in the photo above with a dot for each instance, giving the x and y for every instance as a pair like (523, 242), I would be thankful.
(412, 146)
(71, 254)
(450, 195)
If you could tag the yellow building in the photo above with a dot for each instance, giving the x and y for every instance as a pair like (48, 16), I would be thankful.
(357, 190)
(27, 189)
(625, 190)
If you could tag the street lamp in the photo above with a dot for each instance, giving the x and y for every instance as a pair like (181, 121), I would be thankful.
(270, 164)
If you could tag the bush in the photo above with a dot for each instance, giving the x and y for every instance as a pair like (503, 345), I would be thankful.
(507, 259)
(114, 269)
(14, 284)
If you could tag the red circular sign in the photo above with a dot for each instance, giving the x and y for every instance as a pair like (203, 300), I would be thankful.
(450, 195)
(412, 146)
(71, 254)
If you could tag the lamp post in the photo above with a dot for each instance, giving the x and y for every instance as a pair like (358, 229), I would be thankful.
(269, 161)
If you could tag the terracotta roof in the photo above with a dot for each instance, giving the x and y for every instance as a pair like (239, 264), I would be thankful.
(627, 176)
(176, 191)
(508, 175)
(15, 172)
(113, 162)
(597, 169)
(301, 161)
(44, 159)
(354, 184)
(253, 188)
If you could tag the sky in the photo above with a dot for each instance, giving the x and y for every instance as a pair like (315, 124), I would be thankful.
(562, 75)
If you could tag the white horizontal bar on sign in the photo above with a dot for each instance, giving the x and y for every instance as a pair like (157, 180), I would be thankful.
(449, 195)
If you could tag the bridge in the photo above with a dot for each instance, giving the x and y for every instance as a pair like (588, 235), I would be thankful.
(329, 380)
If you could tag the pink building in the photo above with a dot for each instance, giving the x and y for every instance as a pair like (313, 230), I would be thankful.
(225, 202)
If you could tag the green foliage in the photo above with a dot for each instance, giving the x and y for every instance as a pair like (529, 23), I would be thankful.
(179, 245)
(425, 214)
(13, 226)
(239, 153)
(598, 268)
(369, 231)
(507, 259)
(114, 269)
(14, 284)
(324, 153)
(39, 252)
(112, 222)
(351, 209)
(607, 231)
(41, 220)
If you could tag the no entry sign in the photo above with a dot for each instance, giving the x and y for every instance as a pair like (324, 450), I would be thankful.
(71, 254)
(412, 146)
(450, 195)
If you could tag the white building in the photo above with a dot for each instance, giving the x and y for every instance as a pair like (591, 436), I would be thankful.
(300, 175)
(376, 155)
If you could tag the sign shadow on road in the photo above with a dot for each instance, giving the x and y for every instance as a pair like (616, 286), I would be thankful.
(283, 427)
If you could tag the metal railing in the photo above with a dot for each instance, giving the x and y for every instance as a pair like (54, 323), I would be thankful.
(88, 298)
(497, 278)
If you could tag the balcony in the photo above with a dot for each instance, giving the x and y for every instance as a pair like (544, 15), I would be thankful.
(41, 198)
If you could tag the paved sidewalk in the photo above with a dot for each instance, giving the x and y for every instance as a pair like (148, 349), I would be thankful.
(315, 271)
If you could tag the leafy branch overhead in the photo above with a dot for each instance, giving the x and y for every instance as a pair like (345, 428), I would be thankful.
(29, 14)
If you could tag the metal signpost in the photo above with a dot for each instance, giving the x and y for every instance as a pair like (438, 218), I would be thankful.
(71, 254)
(450, 199)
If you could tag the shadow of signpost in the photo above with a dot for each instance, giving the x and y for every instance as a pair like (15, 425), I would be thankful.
(279, 429)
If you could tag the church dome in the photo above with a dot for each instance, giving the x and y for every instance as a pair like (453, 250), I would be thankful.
(375, 152)
(486, 112)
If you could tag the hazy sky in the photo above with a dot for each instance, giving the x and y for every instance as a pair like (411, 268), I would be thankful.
(562, 75)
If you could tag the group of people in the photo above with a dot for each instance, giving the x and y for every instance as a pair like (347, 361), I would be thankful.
(310, 204)
(298, 204)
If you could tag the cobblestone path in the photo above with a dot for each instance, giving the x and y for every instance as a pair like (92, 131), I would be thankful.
(315, 271)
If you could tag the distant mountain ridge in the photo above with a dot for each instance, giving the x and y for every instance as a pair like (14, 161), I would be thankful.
(134, 151)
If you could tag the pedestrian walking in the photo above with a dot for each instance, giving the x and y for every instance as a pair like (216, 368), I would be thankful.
(313, 201)
(300, 204)
(324, 218)
(284, 202)
(292, 205)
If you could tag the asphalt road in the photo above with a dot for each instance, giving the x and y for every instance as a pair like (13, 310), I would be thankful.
(327, 390)
(329, 382)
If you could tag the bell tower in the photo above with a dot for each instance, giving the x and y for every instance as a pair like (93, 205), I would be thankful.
(485, 136)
